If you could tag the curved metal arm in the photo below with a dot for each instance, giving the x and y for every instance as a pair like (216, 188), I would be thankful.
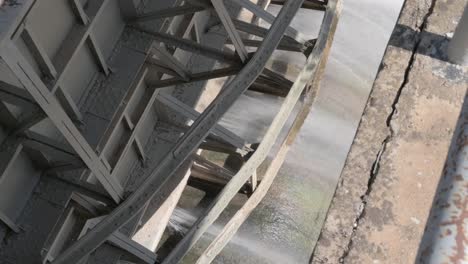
(311, 72)
(231, 189)
(186, 145)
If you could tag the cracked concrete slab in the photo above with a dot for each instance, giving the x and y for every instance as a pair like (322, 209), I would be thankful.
(386, 189)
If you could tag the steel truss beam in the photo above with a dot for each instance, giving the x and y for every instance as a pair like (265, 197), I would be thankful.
(157, 66)
(265, 15)
(49, 146)
(16, 96)
(169, 12)
(20, 97)
(52, 108)
(136, 251)
(192, 114)
(278, 78)
(281, 46)
(85, 188)
(249, 169)
(170, 61)
(185, 146)
(227, 174)
(226, 20)
(259, 31)
(27, 121)
(189, 45)
(215, 144)
(197, 77)
(317, 59)
(308, 4)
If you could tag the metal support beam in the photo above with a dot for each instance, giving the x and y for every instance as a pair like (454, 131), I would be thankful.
(155, 220)
(208, 176)
(225, 18)
(7, 118)
(45, 63)
(90, 206)
(211, 182)
(98, 55)
(25, 123)
(169, 12)
(260, 154)
(265, 15)
(278, 78)
(261, 32)
(79, 11)
(241, 215)
(51, 147)
(156, 66)
(196, 77)
(225, 173)
(170, 61)
(189, 45)
(9, 152)
(265, 85)
(85, 188)
(44, 98)
(133, 248)
(15, 95)
(123, 242)
(12, 97)
(281, 46)
(10, 223)
(160, 178)
(458, 47)
(192, 114)
(69, 105)
(65, 166)
(308, 4)
(217, 145)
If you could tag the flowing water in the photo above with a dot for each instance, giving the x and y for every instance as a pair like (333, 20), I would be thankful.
(182, 220)
(285, 226)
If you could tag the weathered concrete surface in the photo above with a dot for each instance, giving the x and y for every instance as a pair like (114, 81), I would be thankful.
(385, 194)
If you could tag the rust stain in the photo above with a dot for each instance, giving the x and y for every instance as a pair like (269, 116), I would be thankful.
(461, 238)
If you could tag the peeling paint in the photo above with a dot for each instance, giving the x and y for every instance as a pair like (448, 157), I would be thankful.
(446, 239)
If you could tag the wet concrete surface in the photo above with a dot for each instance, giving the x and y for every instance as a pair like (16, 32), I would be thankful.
(385, 193)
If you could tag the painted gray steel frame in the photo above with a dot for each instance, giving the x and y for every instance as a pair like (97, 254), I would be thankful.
(170, 12)
(248, 169)
(189, 45)
(125, 243)
(312, 71)
(192, 114)
(49, 104)
(226, 20)
(263, 14)
(46, 98)
(458, 47)
(171, 62)
(186, 145)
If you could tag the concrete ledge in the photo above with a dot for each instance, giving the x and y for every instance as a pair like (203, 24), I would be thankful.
(387, 187)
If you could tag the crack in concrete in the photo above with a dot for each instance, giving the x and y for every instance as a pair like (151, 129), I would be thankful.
(376, 164)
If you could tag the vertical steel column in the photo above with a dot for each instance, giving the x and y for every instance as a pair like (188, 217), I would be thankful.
(446, 237)
(458, 47)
